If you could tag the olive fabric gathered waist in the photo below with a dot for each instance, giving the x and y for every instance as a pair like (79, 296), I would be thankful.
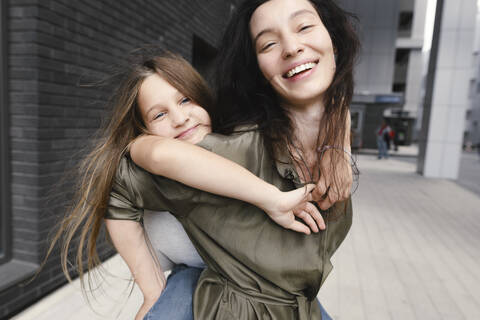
(217, 298)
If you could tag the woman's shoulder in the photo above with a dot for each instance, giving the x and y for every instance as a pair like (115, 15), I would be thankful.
(241, 134)
(243, 144)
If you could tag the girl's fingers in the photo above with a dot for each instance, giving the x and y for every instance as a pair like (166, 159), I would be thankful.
(310, 187)
(313, 211)
(299, 227)
(297, 198)
(307, 218)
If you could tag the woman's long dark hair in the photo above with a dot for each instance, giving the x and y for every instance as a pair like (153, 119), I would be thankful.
(245, 97)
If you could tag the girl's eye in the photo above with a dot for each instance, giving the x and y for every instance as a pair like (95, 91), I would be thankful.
(185, 100)
(159, 115)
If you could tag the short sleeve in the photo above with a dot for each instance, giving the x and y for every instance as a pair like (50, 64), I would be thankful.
(121, 204)
(120, 207)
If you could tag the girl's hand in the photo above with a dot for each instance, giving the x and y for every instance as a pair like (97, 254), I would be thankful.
(334, 185)
(287, 205)
(145, 307)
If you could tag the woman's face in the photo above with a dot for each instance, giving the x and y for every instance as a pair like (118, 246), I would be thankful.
(294, 49)
(169, 113)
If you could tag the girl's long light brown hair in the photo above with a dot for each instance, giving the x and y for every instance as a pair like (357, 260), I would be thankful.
(84, 218)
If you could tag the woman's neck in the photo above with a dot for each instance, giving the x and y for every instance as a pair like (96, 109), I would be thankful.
(306, 125)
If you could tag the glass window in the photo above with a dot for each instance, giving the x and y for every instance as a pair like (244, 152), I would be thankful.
(405, 22)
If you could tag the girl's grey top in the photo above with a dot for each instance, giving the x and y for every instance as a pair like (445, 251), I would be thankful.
(170, 241)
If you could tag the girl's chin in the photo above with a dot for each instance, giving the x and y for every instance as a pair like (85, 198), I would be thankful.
(200, 134)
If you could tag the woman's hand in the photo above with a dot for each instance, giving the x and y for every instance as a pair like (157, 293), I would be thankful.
(334, 185)
(283, 209)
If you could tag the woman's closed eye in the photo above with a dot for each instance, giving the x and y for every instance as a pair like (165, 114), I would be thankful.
(267, 46)
(305, 27)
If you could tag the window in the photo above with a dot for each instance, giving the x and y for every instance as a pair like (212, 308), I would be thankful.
(402, 57)
(472, 88)
(5, 226)
(405, 22)
(468, 114)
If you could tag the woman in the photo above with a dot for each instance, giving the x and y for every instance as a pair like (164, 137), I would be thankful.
(290, 85)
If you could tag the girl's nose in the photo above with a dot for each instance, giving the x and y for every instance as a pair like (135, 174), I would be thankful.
(179, 117)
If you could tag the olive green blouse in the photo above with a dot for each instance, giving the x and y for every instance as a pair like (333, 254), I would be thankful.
(255, 268)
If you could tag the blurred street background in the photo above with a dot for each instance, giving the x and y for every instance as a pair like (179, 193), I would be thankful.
(413, 249)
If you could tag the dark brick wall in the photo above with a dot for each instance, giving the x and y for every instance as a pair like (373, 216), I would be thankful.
(53, 46)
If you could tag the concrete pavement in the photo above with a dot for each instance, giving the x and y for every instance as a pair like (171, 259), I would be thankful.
(413, 250)
(412, 253)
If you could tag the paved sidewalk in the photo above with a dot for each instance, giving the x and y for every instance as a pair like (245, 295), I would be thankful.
(111, 302)
(412, 253)
(413, 250)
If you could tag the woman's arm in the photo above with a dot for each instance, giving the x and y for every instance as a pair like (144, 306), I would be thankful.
(207, 171)
(129, 240)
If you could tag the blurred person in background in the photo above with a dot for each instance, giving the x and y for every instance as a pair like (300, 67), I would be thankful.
(383, 139)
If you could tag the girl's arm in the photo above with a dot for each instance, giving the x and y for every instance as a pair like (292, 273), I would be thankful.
(207, 171)
(129, 240)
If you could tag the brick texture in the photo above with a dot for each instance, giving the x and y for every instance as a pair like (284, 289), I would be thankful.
(55, 45)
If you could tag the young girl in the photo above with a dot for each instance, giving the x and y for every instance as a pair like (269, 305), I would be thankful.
(162, 96)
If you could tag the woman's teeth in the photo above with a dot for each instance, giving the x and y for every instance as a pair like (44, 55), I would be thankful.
(300, 68)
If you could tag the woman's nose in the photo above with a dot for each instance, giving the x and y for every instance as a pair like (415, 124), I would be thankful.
(291, 46)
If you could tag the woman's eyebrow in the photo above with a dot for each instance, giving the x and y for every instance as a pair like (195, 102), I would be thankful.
(261, 33)
(300, 12)
(292, 16)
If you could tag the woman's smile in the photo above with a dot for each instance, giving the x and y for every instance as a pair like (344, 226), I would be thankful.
(300, 70)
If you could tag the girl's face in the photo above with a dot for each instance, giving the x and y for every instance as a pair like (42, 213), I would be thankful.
(294, 49)
(168, 113)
